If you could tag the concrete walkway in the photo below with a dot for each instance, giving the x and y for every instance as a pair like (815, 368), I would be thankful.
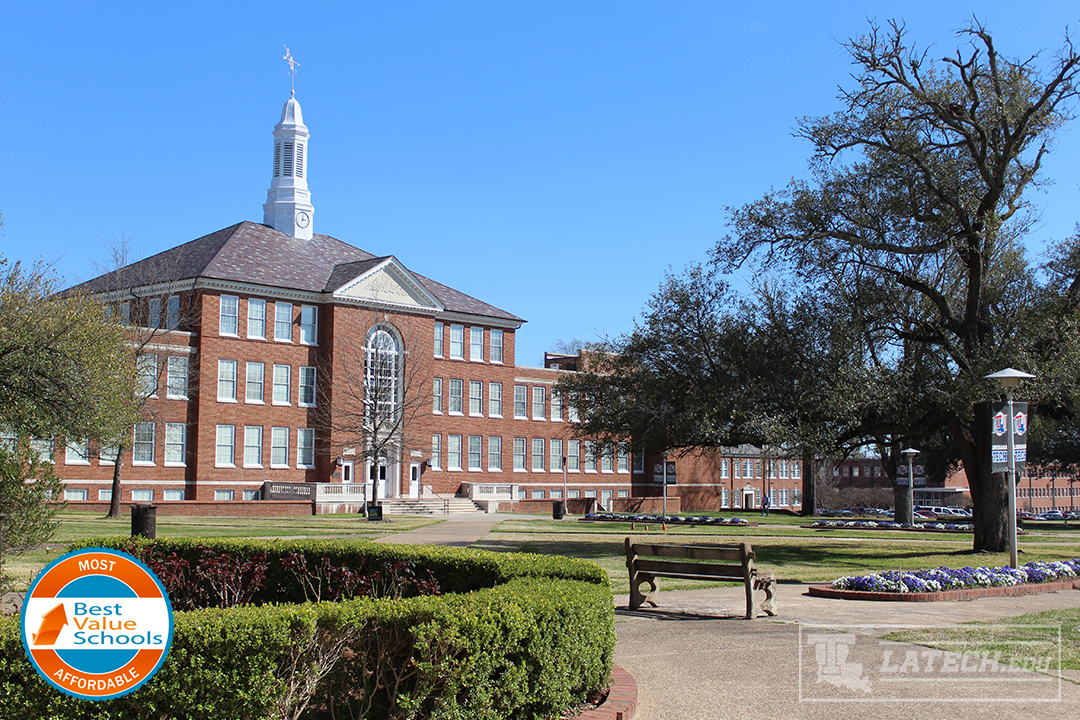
(695, 658)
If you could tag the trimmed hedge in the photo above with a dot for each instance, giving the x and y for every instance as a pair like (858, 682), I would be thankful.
(457, 570)
(529, 646)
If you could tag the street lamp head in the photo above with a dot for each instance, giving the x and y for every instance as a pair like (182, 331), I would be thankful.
(910, 452)
(1009, 377)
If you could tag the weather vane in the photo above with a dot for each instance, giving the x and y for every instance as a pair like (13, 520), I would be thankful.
(292, 70)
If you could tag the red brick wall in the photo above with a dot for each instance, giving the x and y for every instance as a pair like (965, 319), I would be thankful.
(238, 508)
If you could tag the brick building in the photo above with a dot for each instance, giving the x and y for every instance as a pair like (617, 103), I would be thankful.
(267, 352)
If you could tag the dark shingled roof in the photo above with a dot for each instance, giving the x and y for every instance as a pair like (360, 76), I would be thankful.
(252, 253)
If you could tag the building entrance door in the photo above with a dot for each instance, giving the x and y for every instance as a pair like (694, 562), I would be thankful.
(347, 471)
(414, 480)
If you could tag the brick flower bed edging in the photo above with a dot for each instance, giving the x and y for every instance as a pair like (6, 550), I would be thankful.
(621, 701)
(827, 591)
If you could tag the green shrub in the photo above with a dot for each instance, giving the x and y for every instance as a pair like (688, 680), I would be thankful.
(529, 645)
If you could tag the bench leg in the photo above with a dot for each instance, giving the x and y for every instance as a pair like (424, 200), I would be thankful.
(637, 599)
(751, 601)
(767, 583)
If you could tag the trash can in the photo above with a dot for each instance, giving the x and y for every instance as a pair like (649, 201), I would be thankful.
(558, 510)
(374, 511)
(144, 521)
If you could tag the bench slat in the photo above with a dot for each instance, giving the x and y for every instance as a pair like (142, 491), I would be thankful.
(665, 567)
(697, 552)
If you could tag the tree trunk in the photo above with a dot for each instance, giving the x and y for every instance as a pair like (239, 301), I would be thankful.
(989, 495)
(809, 485)
(114, 503)
(902, 503)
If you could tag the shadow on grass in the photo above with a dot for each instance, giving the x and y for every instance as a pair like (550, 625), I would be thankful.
(584, 550)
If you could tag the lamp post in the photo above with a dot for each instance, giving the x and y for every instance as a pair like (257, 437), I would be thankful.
(910, 454)
(1009, 379)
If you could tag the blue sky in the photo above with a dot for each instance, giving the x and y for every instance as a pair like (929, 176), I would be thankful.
(551, 158)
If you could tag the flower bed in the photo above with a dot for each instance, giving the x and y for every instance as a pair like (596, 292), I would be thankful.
(943, 578)
(889, 525)
(675, 519)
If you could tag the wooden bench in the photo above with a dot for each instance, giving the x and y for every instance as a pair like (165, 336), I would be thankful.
(648, 563)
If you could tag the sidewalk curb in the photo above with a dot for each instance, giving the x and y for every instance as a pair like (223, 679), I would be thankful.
(621, 701)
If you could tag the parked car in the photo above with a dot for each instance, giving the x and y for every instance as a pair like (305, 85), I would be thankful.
(1052, 515)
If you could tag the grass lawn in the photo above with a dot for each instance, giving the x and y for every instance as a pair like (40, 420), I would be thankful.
(1011, 640)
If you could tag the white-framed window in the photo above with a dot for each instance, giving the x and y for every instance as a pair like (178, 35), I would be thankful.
(153, 313)
(107, 454)
(223, 495)
(309, 324)
(78, 452)
(537, 494)
(772, 496)
(172, 313)
(305, 448)
(453, 452)
(476, 452)
(784, 474)
(279, 447)
(572, 413)
(519, 455)
(538, 455)
(539, 402)
(256, 380)
(439, 339)
(555, 464)
(770, 469)
(495, 351)
(172, 495)
(229, 320)
(476, 398)
(607, 457)
(177, 377)
(724, 471)
(256, 325)
(147, 369)
(573, 494)
(796, 470)
(436, 452)
(253, 494)
(175, 444)
(522, 493)
(495, 399)
(283, 318)
(623, 450)
(521, 402)
(226, 384)
(104, 495)
(142, 496)
(226, 446)
(436, 396)
(495, 453)
(624, 494)
(590, 493)
(306, 392)
(556, 494)
(456, 390)
(43, 448)
(125, 313)
(457, 342)
(142, 451)
(573, 455)
(785, 497)
(253, 447)
(639, 461)
(76, 494)
(725, 498)
(605, 495)
(476, 344)
(556, 406)
(282, 384)
(590, 456)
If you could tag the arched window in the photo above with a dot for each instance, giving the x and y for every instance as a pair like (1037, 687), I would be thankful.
(382, 376)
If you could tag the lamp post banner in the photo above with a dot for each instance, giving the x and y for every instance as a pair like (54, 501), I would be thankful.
(999, 439)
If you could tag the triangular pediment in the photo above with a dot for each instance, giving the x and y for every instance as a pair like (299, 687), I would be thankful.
(388, 283)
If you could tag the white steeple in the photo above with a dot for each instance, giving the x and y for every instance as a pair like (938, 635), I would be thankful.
(288, 202)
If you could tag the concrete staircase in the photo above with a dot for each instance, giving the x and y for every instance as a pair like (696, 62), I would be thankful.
(430, 506)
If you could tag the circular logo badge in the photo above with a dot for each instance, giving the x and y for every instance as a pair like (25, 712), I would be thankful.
(97, 624)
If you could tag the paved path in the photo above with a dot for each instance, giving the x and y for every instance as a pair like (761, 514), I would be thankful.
(695, 658)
